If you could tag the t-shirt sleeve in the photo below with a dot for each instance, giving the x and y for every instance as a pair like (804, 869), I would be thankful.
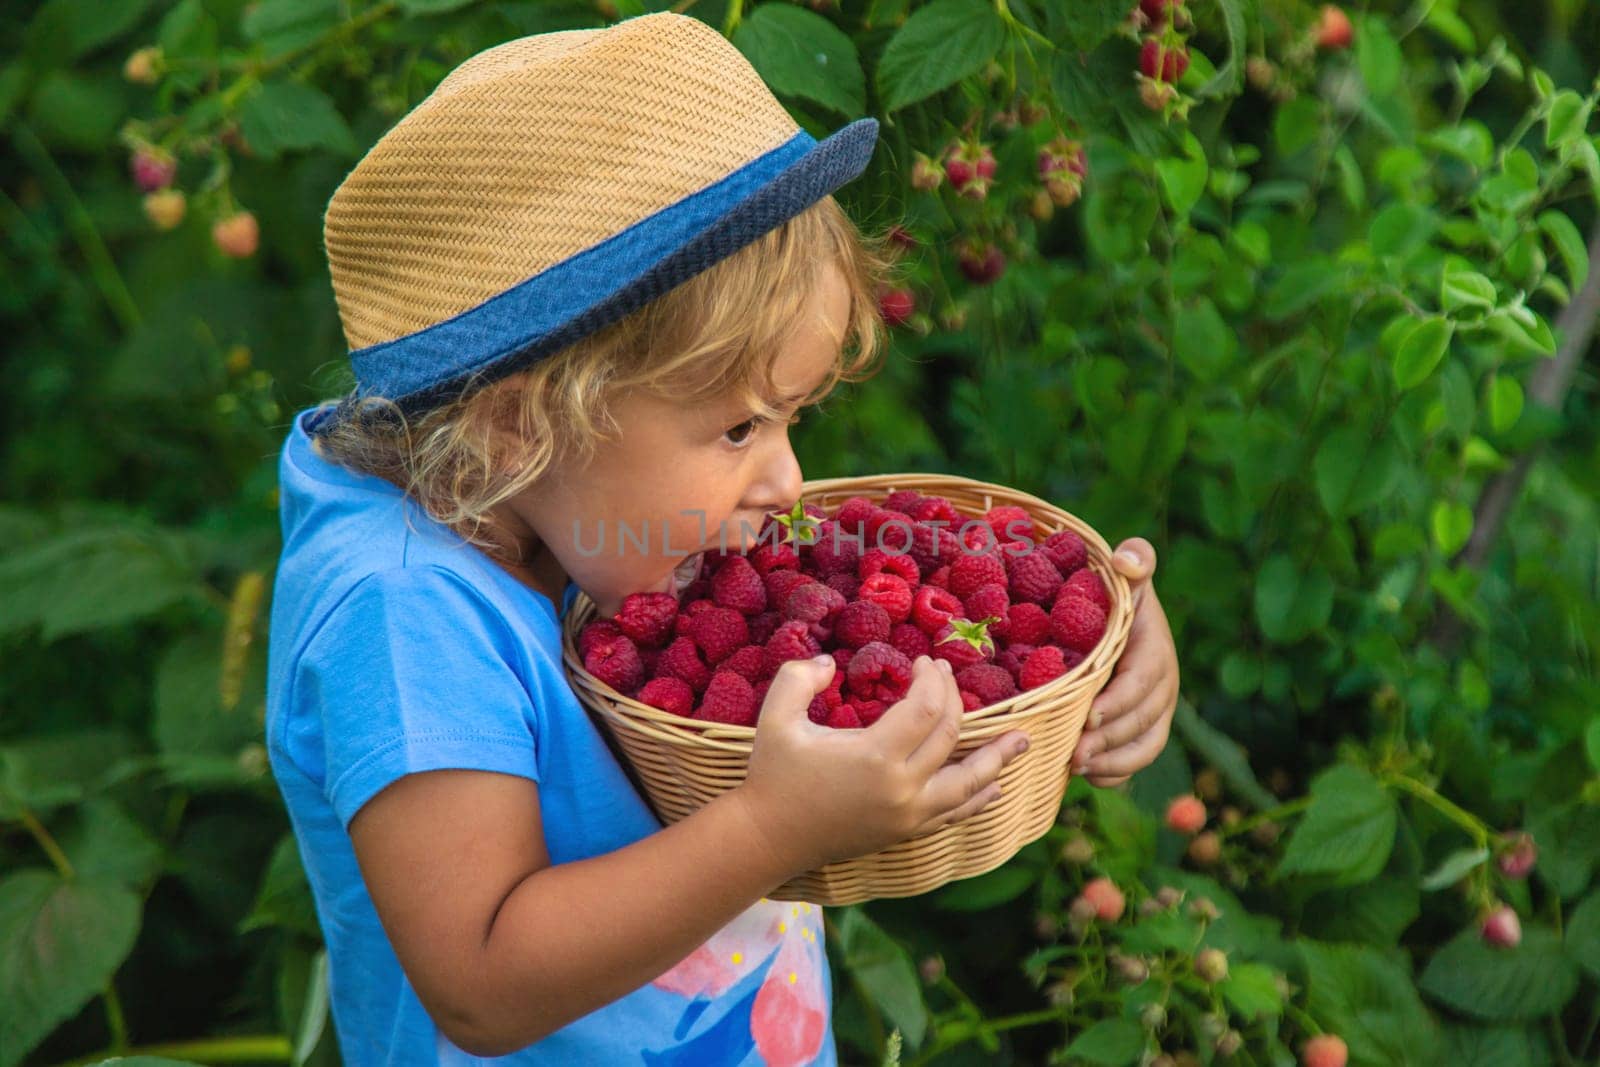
(413, 671)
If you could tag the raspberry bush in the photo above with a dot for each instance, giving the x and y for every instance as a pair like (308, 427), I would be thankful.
(1301, 292)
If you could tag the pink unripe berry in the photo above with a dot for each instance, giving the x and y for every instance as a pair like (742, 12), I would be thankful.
(1107, 899)
(1333, 28)
(1520, 855)
(896, 306)
(165, 208)
(153, 168)
(1501, 927)
(1211, 964)
(1186, 814)
(1325, 1050)
(237, 235)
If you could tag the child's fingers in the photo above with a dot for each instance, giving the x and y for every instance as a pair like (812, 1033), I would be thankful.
(954, 788)
(1151, 707)
(921, 717)
(1114, 765)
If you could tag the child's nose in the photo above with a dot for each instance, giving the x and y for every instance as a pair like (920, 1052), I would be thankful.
(777, 485)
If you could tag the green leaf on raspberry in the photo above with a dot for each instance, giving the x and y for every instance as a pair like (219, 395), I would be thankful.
(975, 634)
(803, 529)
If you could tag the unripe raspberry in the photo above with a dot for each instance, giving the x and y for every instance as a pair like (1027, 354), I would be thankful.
(1333, 29)
(1260, 72)
(1203, 908)
(1168, 896)
(1031, 112)
(1205, 849)
(1186, 814)
(1162, 1060)
(1211, 964)
(1325, 1050)
(1265, 833)
(1153, 1017)
(237, 235)
(926, 175)
(1208, 785)
(982, 263)
(1046, 927)
(1229, 1043)
(1107, 899)
(1156, 95)
(1162, 62)
(1519, 856)
(932, 968)
(165, 207)
(1230, 815)
(1078, 851)
(1131, 969)
(152, 168)
(1041, 206)
(144, 66)
(1501, 927)
(1082, 912)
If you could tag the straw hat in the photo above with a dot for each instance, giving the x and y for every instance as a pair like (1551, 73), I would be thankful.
(552, 184)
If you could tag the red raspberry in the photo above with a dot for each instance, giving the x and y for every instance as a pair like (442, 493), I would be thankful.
(940, 578)
(1009, 523)
(1033, 577)
(699, 589)
(879, 671)
(892, 532)
(939, 509)
(650, 657)
(1078, 624)
(719, 632)
(819, 709)
(1325, 1050)
(750, 661)
(1334, 34)
(728, 698)
(1066, 550)
(1156, 10)
(932, 608)
(813, 602)
(1161, 63)
(648, 617)
(844, 717)
(868, 711)
(763, 626)
(841, 657)
(1186, 814)
(736, 585)
(910, 640)
(861, 623)
(766, 558)
(895, 305)
(891, 593)
(1086, 585)
(846, 584)
(949, 643)
(780, 584)
(877, 561)
(970, 701)
(933, 547)
(598, 631)
(792, 640)
(681, 659)
(616, 663)
(1012, 658)
(902, 500)
(967, 573)
(1107, 899)
(978, 538)
(669, 694)
(989, 682)
(990, 601)
(1026, 623)
(152, 168)
(852, 513)
(1046, 664)
(835, 551)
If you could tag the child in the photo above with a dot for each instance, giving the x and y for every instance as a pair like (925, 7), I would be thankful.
(585, 284)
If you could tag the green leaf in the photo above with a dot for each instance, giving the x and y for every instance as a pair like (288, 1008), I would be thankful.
(280, 26)
(1376, 912)
(60, 943)
(1183, 178)
(1504, 402)
(1292, 602)
(1203, 342)
(1451, 523)
(1367, 997)
(1420, 350)
(285, 116)
(1109, 1043)
(1533, 979)
(1564, 234)
(1252, 992)
(76, 111)
(93, 578)
(47, 770)
(1525, 329)
(1566, 120)
(1300, 286)
(1569, 846)
(985, 891)
(1378, 57)
(1466, 289)
(284, 898)
(431, 7)
(1470, 142)
(1583, 933)
(1355, 469)
(885, 971)
(314, 1018)
(1348, 831)
(1591, 742)
(1229, 77)
(799, 53)
(1494, 1046)
(1401, 229)
(106, 846)
(1454, 867)
(1297, 124)
(1223, 753)
(938, 46)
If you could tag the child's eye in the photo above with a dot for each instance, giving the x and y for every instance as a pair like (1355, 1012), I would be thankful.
(743, 432)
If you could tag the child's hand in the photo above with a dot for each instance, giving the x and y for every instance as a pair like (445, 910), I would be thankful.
(1131, 717)
(819, 794)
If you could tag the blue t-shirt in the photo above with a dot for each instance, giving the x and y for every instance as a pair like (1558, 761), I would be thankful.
(396, 647)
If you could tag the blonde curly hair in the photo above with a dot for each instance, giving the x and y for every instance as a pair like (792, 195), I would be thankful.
(715, 334)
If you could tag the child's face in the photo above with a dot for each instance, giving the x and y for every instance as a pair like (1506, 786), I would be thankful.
(680, 479)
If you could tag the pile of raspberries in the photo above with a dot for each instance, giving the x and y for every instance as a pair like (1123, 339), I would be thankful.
(873, 584)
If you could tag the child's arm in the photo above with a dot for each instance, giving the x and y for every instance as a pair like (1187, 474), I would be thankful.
(503, 948)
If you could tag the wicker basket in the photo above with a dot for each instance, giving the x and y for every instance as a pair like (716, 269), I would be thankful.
(681, 764)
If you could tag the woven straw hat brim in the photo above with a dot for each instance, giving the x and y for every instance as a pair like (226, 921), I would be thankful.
(602, 284)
